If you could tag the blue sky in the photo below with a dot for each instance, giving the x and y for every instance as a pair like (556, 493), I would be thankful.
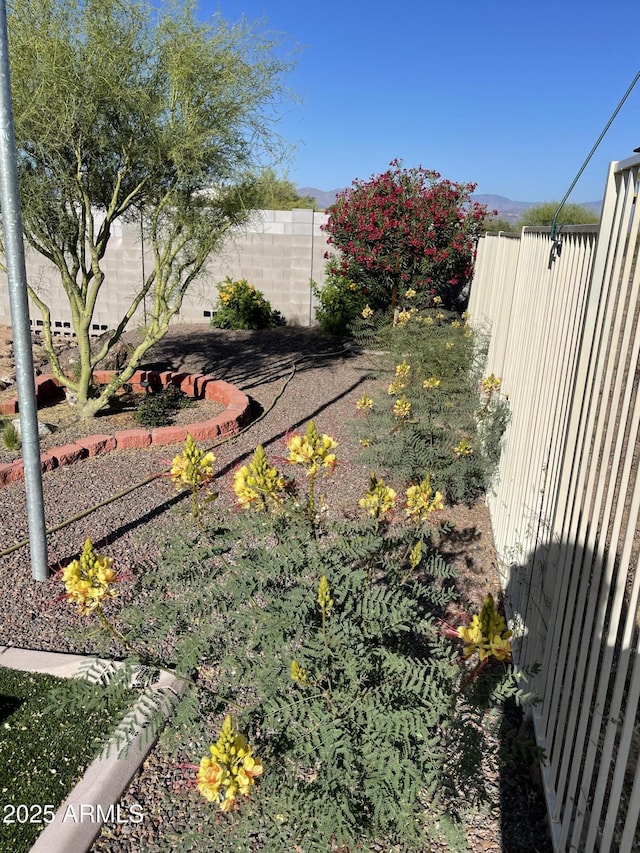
(511, 96)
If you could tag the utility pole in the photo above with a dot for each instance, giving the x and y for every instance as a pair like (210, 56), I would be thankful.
(18, 300)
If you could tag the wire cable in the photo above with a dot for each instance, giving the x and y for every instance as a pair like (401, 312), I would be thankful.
(554, 222)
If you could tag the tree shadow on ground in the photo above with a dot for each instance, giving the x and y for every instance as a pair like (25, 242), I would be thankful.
(244, 358)
(185, 496)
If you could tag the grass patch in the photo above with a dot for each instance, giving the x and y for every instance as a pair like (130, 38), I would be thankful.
(45, 748)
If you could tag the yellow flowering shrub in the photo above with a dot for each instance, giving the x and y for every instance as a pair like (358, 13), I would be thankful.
(231, 768)
(89, 580)
(463, 447)
(258, 484)
(431, 383)
(298, 673)
(193, 467)
(403, 371)
(379, 498)
(402, 408)
(364, 404)
(312, 450)
(490, 384)
(422, 500)
(487, 633)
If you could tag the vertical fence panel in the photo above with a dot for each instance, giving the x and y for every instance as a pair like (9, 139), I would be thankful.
(566, 503)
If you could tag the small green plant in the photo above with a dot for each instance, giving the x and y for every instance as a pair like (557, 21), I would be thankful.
(242, 306)
(157, 410)
(10, 435)
(341, 300)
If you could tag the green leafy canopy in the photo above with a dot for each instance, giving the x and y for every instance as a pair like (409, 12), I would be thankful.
(126, 112)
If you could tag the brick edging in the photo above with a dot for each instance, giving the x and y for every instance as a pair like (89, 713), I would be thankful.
(197, 385)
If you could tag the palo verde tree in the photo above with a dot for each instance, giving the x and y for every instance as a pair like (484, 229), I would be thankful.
(126, 112)
(405, 229)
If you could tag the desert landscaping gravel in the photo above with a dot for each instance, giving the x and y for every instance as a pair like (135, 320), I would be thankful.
(325, 386)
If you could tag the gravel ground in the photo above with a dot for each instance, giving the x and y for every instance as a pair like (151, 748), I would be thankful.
(325, 389)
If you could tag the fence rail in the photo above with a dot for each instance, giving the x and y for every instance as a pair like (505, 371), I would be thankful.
(565, 339)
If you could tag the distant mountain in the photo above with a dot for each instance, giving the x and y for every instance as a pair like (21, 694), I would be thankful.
(512, 211)
(507, 209)
(324, 198)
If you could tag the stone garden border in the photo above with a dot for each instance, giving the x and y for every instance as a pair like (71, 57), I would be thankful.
(197, 385)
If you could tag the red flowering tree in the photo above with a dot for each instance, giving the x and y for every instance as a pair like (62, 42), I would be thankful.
(405, 229)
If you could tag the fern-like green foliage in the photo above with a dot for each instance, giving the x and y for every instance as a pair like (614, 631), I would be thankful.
(326, 641)
(348, 704)
(448, 410)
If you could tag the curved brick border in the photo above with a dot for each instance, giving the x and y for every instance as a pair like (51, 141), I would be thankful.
(197, 385)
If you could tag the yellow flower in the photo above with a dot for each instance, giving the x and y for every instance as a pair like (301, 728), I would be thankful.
(490, 384)
(403, 370)
(403, 318)
(431, 383)
(437, 300)
(402, 408)
(422, 501)
(365, 442)
(324, 596)
(312, 450)
(486, 633)
(396, 387)
(456, 324)
(364, 403)
(298, 673)
(439, 316)
(449, 346)
(465, 316)
(231, 768)
(210, 777)
(410, 293)
(428, 321)
(89, 580)
(193, 467)
(463, 448)
(367, 312)
(379, 498)
(258, 483)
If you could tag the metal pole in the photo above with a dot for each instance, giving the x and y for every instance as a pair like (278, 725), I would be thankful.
(16, 274)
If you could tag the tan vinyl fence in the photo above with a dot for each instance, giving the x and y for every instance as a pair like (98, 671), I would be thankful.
(565, 339)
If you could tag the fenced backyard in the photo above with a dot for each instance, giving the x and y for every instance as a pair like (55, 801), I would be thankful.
(565, 340)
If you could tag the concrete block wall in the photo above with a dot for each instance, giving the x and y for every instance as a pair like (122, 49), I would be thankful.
(279, 253)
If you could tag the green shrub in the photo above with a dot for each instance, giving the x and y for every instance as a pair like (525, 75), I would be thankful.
(341, 300)
(157, 410)
(241, 306)
(431, 416)
(326, 642)
(10, 435)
